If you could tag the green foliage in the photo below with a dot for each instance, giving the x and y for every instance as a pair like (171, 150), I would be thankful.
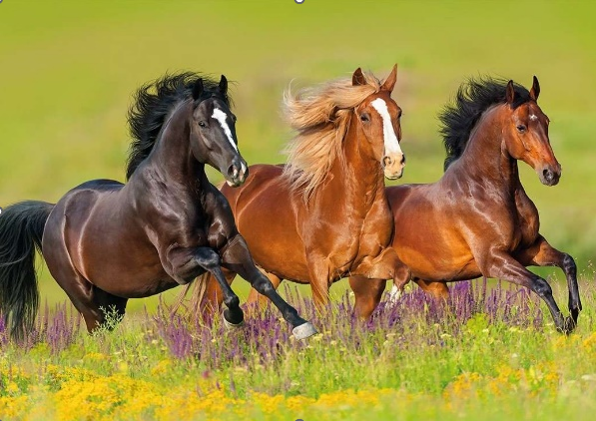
(68, 69)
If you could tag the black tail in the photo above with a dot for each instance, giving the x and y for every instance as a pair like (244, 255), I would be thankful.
(21, 231)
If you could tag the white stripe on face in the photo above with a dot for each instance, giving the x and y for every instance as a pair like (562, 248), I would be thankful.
(391, 143)
(220, 116)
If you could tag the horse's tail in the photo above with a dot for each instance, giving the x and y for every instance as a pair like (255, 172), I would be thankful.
(200, 286)
(21, 231)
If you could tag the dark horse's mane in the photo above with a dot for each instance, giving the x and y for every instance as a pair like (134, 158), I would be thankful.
(473, 98)
(152, 104)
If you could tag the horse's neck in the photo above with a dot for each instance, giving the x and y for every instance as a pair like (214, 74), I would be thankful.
(486, 159)
(356, 173)
(172, 158)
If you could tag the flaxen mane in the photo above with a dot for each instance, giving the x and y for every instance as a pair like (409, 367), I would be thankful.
(473, 98)
(321, 116)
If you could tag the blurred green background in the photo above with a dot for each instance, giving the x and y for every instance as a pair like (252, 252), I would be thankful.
(68, 68)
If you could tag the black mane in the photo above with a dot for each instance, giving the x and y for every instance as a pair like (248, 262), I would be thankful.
(473, 98)
(152, 104)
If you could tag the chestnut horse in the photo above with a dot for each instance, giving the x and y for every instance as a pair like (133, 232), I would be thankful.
(105, 242)
(325, 215)
(477, 220)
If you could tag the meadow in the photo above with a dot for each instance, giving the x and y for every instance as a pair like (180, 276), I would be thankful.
(67, 72)
(489, 354)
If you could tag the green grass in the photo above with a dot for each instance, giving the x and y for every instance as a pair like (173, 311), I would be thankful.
(418, 367)
(68, 70)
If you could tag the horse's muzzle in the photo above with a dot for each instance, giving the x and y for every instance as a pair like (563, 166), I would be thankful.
(550, 176)
(393, 165)
(237, 173)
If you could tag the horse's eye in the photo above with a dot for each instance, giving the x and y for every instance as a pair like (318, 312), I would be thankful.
(521, 128)
(202, 124)
(365, 118)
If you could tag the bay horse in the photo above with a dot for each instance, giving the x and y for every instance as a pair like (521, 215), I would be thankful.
(324, 214)
(477, 220)
(105, 242)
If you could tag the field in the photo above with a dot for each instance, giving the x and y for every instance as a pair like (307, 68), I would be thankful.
(67, 71)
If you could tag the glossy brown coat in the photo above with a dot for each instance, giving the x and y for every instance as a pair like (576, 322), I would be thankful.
(344, 225)
(477, 220)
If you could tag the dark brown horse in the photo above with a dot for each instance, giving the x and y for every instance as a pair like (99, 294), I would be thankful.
(477, 219)
(105, 242)
(325, 215)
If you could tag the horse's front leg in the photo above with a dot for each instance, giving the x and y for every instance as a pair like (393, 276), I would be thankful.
(185, 264)
(368, 280)
(237, 258)
(501, 265)
(541, 253)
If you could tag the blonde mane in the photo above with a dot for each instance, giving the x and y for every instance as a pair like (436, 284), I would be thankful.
(321, 116)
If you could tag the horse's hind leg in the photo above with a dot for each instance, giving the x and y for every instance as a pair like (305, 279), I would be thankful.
(79, 290)
(541, 253)
(438, 290)
(109, 305)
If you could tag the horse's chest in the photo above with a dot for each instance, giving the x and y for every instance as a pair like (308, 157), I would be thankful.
(362, 238)
(527, 221)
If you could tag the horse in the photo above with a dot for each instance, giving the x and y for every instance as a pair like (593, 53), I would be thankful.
(477, 220)
(106, 242)
(324, 214)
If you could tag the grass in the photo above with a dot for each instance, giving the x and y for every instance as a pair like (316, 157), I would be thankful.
(69, 68)
(488, 354)
(67, 73)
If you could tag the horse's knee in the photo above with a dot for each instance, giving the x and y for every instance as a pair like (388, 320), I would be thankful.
(542, 288)
(264, 286)
(569, 265)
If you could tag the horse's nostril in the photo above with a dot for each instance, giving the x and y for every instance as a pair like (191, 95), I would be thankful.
(387, 161)
(548, 174)
(403, 159)
(232, 171)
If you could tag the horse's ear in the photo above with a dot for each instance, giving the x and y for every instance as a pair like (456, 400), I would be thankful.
(390, 81)
(197, 90)
(358, 78)
(223, 85)
(510, 93)
(535, 91)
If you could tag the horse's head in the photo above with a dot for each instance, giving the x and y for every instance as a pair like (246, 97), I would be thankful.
(526, 135)
(379, 119)
(213, 133)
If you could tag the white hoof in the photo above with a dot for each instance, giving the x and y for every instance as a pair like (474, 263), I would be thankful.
(394, 295)
(304, 331)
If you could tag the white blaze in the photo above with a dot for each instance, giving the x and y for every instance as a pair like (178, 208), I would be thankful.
(533, 117)
(220, 116)
(391, 143)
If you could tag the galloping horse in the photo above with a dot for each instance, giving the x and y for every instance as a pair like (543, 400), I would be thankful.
(105, 242)
(325, 215)
(477, 220)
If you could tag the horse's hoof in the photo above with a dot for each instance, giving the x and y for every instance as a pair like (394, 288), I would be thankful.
(395, 295)
(230, 325)
(304, 331)
(568, 326)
